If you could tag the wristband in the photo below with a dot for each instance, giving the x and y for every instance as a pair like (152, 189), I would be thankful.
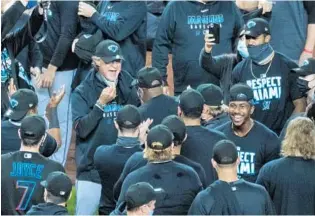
(53, 116)
(308, 51)
(99, 105)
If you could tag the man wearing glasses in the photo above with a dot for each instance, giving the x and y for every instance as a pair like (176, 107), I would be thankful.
(95, 103)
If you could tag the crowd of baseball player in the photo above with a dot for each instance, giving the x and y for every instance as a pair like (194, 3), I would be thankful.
(228, 129)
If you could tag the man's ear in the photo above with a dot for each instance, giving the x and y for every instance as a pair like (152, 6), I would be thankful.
(252, 109)
(19, 132)
(179, 111)
(267, 38)
(214, 164)
(116, 125)
(96, 60)
(238, 161)
(206, 109)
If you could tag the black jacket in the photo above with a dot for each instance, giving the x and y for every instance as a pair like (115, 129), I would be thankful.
(47, 209)
(221, 67)
(126, 23)
(181, 30)
(61, 31)
(93, 126)
(14, 40)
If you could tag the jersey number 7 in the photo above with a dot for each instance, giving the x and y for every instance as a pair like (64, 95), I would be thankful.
(29, 187)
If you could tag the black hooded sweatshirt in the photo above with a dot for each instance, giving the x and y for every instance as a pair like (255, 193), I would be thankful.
(93, 126)
(47, 209)
(182, 29)
(126, 23)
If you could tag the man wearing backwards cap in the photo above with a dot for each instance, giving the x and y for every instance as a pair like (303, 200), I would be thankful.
(155, 104)
(255, 142)
(58, 187)
(22, 171)
(306, 84)
(268, 73)
(213, 114)
(95, 103)
(109, 160)
(180, 182)
(23, 103)
(200, 141)
(140, 199)
(178, 128)
(230, 195)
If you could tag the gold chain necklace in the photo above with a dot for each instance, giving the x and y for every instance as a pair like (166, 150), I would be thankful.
(263, 75)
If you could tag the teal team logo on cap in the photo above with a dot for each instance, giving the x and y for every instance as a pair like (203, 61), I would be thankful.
(251, 24)
(306, 62)
(13, 103)
(113, 48)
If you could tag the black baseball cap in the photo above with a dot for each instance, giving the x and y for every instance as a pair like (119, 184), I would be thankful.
(257, 26)
(176, 126)
(212, 94)
(307, 68)
(128, 117)
(142, 193)
(58, 184)
(33, 127)
(225, 152)
(191, 100)
(159, 137)
(20, 103)
(49, 146)
(148, 77)
(241, 92)
(108, 51)
(86, 45)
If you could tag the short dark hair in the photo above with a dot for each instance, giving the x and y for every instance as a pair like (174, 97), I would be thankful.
(131, 130)
(55, 199)
(192, 113)
(30, 142)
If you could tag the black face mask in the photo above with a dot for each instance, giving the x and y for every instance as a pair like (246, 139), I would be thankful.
(303, 86)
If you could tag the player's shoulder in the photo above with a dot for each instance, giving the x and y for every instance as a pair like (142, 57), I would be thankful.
(253, 187)
(264, 130)
(7, 156)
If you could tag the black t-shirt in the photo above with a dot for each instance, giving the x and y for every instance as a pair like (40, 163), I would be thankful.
(290, 182)
(136, 161)
(21, 174)
(180, 183)
(198, 147)
(109, 161)
(258, 147)
(11, 142)
(275, 89)
(158, 108)
(252, 199)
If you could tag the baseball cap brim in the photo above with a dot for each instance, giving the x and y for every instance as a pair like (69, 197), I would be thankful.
(159, 193)
(112, 58)
(15, 115)
(301, 71)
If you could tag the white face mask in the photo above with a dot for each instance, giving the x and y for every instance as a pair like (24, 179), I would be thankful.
(242, 48)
